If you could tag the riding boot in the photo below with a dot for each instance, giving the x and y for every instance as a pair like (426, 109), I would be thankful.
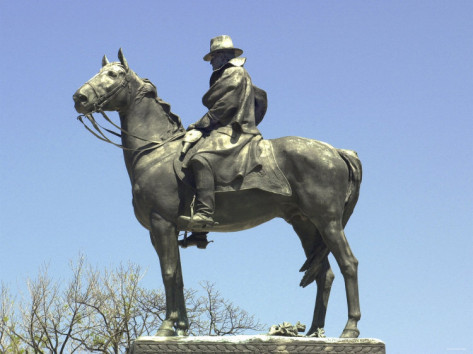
(205, 193)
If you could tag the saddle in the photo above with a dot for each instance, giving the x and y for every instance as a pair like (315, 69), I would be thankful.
(264, 175)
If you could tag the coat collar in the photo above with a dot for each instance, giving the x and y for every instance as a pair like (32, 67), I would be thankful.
(237, 61)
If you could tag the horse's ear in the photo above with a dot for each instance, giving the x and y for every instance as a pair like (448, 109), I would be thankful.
(104, 61)
(122, 59)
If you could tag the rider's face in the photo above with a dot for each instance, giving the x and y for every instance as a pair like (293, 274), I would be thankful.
(220, 59)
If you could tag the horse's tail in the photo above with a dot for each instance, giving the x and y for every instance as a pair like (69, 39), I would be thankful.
(354, 175)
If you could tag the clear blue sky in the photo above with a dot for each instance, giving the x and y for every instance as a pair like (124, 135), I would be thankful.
(392, 80)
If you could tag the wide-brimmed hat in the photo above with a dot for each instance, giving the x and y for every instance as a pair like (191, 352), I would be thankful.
(222, 44)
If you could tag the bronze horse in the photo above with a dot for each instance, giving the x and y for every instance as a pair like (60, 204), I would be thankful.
(325, 184)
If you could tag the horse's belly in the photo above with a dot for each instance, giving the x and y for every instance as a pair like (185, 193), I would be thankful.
(242, 224)
(235, 211)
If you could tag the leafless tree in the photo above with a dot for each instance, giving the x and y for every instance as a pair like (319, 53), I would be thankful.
(104, 311)
(51, 316)
(115, 318)
(220, 317)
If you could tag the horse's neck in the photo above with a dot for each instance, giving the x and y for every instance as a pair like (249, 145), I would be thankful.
(146, 118)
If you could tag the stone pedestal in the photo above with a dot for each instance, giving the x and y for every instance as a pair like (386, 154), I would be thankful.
(255, 344)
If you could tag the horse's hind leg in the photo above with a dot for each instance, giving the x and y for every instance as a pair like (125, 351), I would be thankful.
(324, 282)
(317, 268)
(334, 237)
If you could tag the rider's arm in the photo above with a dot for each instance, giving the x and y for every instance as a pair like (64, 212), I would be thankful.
(206, 122)
(226, 96)
(224, 99)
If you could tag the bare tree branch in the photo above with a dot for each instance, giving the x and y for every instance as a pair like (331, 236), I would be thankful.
(104, 311)
(218, 316)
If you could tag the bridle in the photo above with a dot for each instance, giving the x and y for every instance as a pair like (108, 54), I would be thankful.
(101, 101)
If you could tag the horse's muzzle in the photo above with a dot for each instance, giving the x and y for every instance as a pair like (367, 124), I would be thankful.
(81, 103)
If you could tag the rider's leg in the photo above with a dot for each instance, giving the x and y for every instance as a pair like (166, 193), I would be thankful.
(205, 191)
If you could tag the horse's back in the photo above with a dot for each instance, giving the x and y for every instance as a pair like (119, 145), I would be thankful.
(292, 151)
(319, 174)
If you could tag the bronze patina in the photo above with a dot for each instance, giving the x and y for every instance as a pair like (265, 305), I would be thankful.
(324, 183)
(227, 127)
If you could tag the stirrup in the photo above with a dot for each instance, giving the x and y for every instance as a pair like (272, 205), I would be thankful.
(198, 239)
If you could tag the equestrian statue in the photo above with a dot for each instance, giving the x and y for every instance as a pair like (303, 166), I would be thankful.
(220, 175)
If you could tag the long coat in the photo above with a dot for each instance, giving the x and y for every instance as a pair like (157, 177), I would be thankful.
(230, 123)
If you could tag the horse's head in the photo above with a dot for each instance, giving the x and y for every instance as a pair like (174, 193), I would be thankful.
(106, 90)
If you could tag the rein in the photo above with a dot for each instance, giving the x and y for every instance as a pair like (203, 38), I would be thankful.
(103, 137)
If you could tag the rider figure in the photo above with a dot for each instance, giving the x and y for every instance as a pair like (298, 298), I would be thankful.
(227, 127)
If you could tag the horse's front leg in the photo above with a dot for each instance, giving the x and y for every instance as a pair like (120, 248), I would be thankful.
(164, 239)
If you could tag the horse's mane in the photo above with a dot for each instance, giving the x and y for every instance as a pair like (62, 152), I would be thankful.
(148, 88)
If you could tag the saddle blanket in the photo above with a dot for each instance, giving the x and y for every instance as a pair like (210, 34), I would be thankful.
(266, 175)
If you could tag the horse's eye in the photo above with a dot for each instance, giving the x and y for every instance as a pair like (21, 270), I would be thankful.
(112, 74)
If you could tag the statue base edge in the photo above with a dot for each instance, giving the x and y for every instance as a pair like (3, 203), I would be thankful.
(255, 344)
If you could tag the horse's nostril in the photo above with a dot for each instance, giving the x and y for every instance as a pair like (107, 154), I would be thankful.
(78, 97)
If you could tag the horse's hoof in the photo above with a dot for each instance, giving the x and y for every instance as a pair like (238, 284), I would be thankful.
(182, 332)
(317, 333)
(165, 332)
(350, 333)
